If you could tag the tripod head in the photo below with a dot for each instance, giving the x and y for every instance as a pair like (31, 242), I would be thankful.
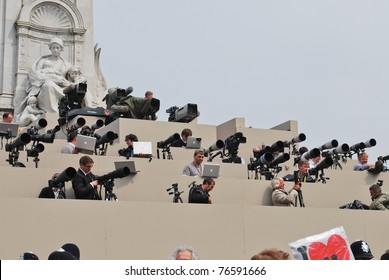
(174, 191)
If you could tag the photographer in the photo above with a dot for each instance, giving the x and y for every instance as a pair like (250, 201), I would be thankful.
(280, 196)
(130, 106)
(200, 193)
(185, 134)
(53, 191)
(195, 168)
(362, 164)
(380, 200)
(303, 173)
(85, 184)
(129, 151)
(70, 147)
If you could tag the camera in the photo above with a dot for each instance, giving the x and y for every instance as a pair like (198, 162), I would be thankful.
(184, 114)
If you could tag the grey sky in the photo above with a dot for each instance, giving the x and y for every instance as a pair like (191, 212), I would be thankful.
(322, 63)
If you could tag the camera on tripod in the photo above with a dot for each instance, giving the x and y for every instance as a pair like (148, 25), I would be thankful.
(174, 191)
(231, 144)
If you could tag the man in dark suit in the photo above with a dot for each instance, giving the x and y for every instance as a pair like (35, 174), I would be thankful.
(85, 183)
(185, 134)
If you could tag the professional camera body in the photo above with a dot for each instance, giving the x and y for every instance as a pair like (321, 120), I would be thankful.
(184, 114)
(73, 99)
(231, 147)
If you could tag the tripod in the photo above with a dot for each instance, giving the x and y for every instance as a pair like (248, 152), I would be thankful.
(166, 154)
(301, 198)
(109, 195)
(177, 194)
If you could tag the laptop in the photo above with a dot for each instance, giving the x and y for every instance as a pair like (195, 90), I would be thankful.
(127, 163)
(13, 127)
(193, 143)
(143, 149)
(85, 144)
(211, 170)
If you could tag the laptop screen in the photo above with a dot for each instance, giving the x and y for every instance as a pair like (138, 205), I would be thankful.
(13, 127)
(193, 143)
(211, 170)
(142, 148)
(85, 144)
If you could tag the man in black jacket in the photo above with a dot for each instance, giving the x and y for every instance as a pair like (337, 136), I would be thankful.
(85, 183)
(200, 193)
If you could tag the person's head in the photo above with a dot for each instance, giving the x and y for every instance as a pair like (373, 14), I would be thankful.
(208, 184)
(73, 72)
(149, 95)
(56, 46)
(184, 253)
(198, 157)
(375, 191)
(185, 134)
(72, 137)
(86, 163)
(130, 138)
(28, 256)
(277, 183)
(385, 256)
(271, 254)
(53, 185)
(303, 167)
(7, 117)
(361, 250)
(363, 158)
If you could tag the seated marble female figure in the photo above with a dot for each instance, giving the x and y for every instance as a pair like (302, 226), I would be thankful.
(47, 81)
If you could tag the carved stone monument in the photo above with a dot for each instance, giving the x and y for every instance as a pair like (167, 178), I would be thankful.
(26, 29)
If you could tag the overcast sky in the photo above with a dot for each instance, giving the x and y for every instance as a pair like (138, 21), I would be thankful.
(322, 63)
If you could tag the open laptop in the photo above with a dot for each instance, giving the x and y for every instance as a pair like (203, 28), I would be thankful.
(13, 127)
(211, 170)
(193, 143)
(85, 144)
(143, 149)
(126, 163)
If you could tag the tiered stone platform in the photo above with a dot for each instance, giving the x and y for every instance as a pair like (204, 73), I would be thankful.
(145, 224)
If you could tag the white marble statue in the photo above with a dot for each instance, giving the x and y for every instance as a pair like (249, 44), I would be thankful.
(47, 79)
(31, 113)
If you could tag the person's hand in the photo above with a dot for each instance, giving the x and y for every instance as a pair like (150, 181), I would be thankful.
(297, 186)
(209, 200)
(94, 183)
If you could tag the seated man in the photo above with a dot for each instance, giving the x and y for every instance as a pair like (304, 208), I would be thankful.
(303, 173)
(195, 168)
(70, 147)
(280, 196)
(53, 190)
(129, 151)
(200, 193)
(185, 134)
(362, 162)
(380, 200)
